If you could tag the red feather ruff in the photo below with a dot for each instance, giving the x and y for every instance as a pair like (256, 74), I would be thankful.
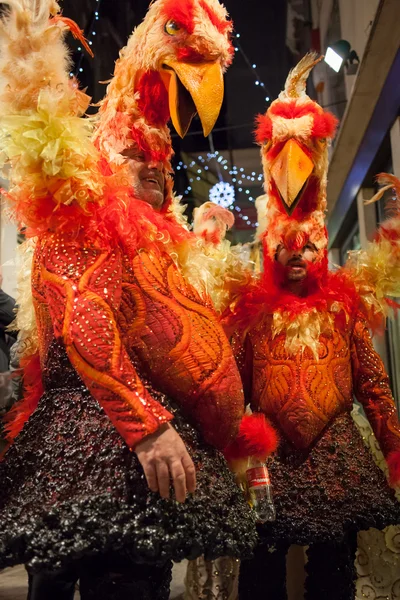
(136, 222)
(42, 214)
(393, 462)
(153, 100)
(269, 295)
(324, 125)
(16, 418)
(181, 11)
(263, 132)
(256, 438)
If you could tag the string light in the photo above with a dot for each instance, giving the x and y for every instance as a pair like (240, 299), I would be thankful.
(258, 81)
(91, 32)
(238, 175)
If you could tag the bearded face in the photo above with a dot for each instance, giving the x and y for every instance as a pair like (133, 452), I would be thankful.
(296, 263)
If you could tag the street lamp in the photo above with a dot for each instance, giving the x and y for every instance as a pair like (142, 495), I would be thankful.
(341, 53)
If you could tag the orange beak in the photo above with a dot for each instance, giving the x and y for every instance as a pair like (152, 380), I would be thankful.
(193, 88)
(290, 171)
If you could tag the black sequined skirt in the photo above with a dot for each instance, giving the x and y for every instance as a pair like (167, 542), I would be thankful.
(329, 490)
(71, 488)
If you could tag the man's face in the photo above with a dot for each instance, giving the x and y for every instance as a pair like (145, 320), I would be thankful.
(148, 177)
(296, 262)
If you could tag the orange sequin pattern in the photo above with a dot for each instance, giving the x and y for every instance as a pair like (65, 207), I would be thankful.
(372, 389)
(178, 337)
(303, 394)
(77, 290)
(109, 309)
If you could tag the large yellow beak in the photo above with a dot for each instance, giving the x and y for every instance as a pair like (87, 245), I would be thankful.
(193, 88)
(290, 171)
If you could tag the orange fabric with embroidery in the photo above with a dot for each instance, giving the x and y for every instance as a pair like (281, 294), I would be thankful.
(303, 395)
(106, 306)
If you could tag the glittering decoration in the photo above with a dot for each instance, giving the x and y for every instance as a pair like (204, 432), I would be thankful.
(378, 564)
(212, 580)
(329, 489)
(53, 511)
(223, 193)
(112, 309)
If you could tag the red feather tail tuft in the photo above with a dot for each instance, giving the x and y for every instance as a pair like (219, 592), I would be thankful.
(33, 389)
(256, 438)
(75, 30)
(393, 462)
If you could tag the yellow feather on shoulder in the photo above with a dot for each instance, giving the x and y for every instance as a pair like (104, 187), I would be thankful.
(376, 270)
(25, 321)
(211, 264)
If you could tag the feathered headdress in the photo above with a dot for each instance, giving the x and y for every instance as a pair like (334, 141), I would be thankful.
(171, 68)
(294, 135)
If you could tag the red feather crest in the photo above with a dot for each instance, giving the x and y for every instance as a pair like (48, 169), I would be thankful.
(181, 11)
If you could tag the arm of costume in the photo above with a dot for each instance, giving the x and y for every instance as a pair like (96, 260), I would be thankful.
(372, 389)
(257, 437)
(82, 286)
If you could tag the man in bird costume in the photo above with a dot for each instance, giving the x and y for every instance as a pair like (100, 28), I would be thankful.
(303, 345)
(129, 379)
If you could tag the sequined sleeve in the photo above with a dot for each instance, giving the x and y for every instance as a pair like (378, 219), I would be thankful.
(372, 389)
(82, 287)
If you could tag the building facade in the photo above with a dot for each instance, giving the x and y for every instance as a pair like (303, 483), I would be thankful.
(366, 99)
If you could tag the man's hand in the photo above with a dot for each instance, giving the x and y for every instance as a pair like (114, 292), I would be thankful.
(163, 456)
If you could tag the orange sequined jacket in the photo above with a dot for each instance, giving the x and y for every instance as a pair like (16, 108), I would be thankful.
(302, 395)
(105, 306)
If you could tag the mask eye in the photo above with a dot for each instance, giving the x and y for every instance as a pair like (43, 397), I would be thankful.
(172, 28)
